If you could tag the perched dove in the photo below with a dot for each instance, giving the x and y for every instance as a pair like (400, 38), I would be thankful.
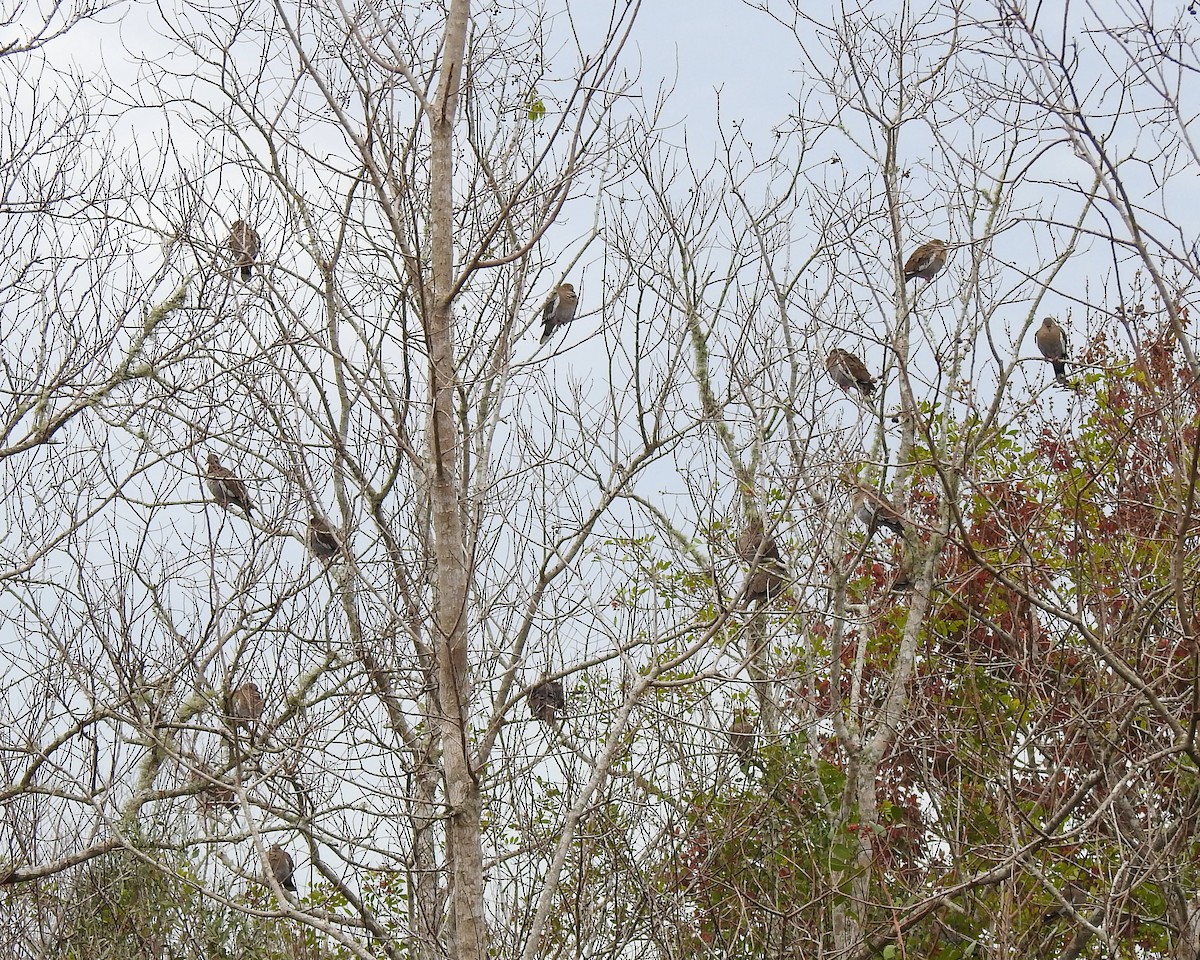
(874, 511)
(245, 704)
(282, 867)
(765, 583)
(243, 241)
(225, 486)
(926, 261)
(1052, 341)
(559, 310)
(1075, 895)
(322, 540)
(904, 575)
(213, 792)
(753, 539)
(545, 700)
(742, 736)
(768, 577)
(849, 372)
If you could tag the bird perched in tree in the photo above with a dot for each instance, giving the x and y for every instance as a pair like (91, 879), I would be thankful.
(904, 575)
(753, 542)
(765, 583)
(282, 867)
(322, 540)
(545, 700)
(559, 310)
(849, 372)
(874, 511)
(243, 241)
(769, 578)
(212, 791)
(1075, 894)
(926, 261)
(225, 486)
(1052, 341)
(742, 737)
(245, 705)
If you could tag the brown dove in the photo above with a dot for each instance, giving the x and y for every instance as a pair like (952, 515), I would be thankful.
(768, 578)
(243, 241)
(225, 486)
(742, 736)
(874, 511)
(213, 792)
(559, 310)
(926, 261)
(545, 700)
(282, 867)
(753, 539)
(245, 704)
(849, 372)
(1052, 341)
(1075, 895)
(765, 583)
(322, 540)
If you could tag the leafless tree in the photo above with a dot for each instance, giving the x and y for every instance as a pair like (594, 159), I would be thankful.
(970, 733)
